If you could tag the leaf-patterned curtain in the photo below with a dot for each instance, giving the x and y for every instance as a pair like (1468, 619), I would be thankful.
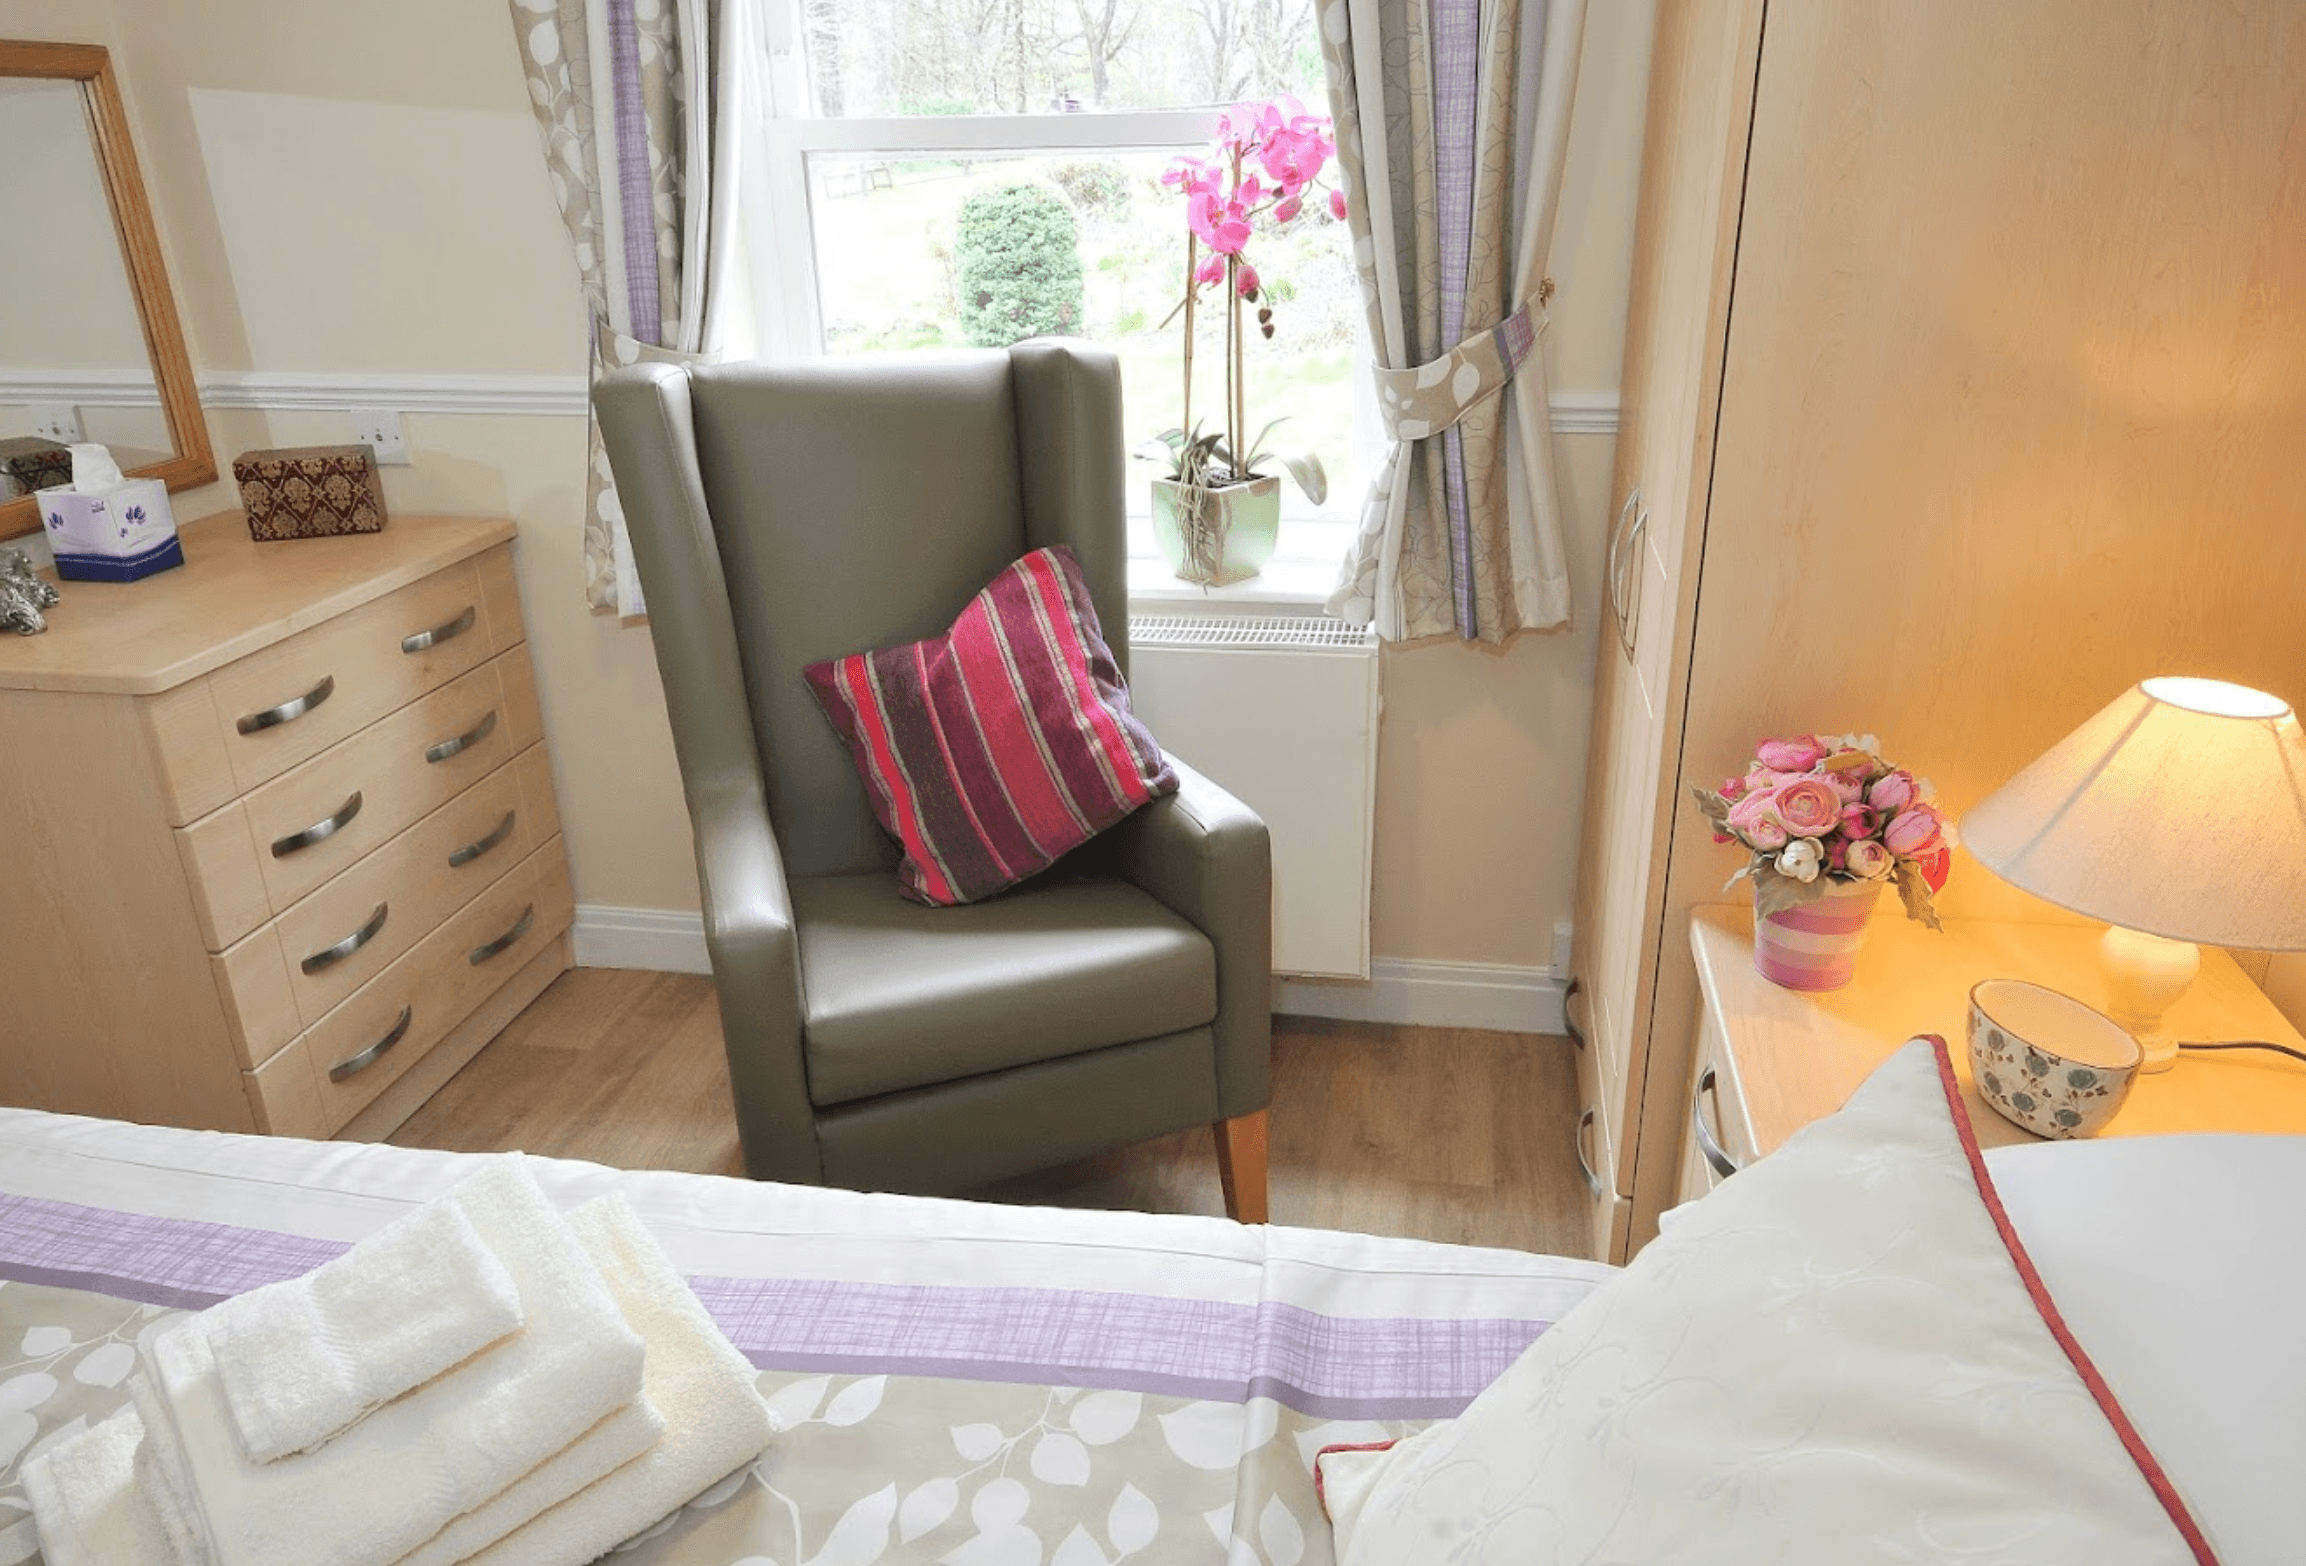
(623, 96)
(1452, 118)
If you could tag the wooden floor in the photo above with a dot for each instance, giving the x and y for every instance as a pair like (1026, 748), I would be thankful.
(1439, 1133)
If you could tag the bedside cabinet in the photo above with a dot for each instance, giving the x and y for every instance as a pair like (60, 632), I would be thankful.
(279, 832)
(1771, 1060)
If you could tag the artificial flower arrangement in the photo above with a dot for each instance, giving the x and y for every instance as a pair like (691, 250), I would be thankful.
(1818, 812)
(1267, 164)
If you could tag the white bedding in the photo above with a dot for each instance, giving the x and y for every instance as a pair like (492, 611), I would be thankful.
(1351, 1337)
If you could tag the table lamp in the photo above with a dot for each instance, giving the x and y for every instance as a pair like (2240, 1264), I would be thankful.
(2177, 815)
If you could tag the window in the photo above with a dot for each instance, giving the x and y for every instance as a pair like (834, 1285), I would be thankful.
(892, 119)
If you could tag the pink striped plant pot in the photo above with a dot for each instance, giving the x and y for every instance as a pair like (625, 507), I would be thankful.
(1815, 946)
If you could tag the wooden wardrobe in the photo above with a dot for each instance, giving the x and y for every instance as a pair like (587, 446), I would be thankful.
(1964, 385)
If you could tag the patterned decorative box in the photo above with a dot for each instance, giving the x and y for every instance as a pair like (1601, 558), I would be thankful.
(35, 462)
(310, 491)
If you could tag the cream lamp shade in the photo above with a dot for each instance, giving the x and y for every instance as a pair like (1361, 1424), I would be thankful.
(2179, 811)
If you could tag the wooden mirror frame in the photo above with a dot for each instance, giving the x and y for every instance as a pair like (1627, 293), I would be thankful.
(192, 460)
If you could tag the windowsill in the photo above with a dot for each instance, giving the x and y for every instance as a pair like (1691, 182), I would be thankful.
(1296, 581)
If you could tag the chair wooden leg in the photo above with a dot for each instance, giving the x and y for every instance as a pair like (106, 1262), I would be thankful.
(1241, 1166)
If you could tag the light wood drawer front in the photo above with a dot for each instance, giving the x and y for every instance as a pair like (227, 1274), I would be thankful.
(399, 893)
(257, 856)
(417, 1000)
(286, 1097)
(253, 719)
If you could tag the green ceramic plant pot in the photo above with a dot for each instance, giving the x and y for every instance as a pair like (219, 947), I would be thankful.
(1212, 537)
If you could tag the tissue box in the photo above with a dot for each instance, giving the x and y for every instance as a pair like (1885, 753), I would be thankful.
(310, 491)
(116, 534)
(36, 462)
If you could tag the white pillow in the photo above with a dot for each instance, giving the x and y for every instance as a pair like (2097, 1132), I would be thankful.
(1834, 1359)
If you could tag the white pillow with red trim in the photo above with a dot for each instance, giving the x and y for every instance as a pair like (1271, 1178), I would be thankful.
(1840, 1356)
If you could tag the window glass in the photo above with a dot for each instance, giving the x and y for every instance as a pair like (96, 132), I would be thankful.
(872, 58)
(1091, 243)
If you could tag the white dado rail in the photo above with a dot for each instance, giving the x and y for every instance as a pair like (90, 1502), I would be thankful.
(1574, 412)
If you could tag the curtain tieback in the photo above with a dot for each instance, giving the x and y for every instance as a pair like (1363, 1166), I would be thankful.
(1428, 398)
(612, 348)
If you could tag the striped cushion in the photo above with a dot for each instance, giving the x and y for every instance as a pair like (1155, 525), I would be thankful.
(995, 748)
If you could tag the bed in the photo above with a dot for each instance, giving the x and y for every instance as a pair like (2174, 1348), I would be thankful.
(987, 1383)
(978, 1384)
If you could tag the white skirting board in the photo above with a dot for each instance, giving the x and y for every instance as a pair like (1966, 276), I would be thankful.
(1435, 994)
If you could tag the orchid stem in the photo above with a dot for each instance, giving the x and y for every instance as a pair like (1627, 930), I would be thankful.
(1185, 417)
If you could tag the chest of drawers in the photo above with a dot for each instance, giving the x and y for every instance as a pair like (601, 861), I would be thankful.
(278, 843)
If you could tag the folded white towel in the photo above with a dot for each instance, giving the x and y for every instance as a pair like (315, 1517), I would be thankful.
(715, 1419)
(304, 1360)
(397, 1478)
(86, 1502)
(167, 1488)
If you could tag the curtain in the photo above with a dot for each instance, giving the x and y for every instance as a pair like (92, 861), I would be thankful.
(623, 94)
(1452, 117)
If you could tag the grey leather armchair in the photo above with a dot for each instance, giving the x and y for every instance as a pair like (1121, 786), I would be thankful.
(785, 514)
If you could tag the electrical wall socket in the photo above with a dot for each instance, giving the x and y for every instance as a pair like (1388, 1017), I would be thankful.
(1563, 943)
(57, 421)
(379, 429)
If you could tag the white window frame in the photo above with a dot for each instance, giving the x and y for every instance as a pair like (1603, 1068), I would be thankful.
(781, 236)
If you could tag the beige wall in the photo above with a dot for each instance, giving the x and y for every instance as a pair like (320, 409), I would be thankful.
(356, 188)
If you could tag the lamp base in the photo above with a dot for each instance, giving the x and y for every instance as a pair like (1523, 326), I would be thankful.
(2145, 975)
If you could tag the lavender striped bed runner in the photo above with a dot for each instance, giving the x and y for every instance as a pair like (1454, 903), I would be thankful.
(1323, 1366)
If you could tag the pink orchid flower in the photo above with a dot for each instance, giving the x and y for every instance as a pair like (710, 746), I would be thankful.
(1210, 270)
(1245, 281)
(1218, 222)
(1337, 205)
(1190, 175)
(1287, 208)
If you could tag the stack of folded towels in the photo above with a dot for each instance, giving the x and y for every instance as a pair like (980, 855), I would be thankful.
(483, 1380)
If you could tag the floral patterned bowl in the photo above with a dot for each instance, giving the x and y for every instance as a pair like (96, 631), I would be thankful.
(2046, 1061)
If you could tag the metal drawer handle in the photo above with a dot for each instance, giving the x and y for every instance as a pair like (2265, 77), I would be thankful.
(418, 641)
(479, 846)
(293, 708)
(1717, 1159)
(472, 736)
(319, 831)
(1568, 1018)
(1632, 576)
(353, 1065)
(329, 956)
(1592, 1180)
(481, 954)
(1616, 543)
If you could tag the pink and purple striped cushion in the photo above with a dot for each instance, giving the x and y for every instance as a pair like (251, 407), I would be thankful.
(994, 749)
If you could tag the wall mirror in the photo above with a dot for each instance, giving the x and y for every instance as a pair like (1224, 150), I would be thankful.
(88, 329)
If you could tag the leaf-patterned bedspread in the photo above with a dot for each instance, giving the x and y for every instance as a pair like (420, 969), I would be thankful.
(976, 1419)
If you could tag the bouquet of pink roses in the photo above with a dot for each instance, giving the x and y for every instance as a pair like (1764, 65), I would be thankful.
(1814, 812)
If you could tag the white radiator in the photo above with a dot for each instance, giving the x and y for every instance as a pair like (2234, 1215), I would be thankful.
(1283, 713)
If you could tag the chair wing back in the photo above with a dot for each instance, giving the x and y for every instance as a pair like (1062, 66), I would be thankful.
(861, 502)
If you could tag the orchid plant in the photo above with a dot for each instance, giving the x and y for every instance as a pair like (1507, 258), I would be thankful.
(1816, 812)
(1266, 164)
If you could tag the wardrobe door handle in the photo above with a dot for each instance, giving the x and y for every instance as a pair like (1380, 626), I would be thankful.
(479, 846)
(481, 954)
(354, 1065)
(288, 711)
(472, 736)
(1632, 575)
(1717, 1158)
(319, 831)
(1568, 1021)
(1616, 543)
(418, 641)
(1585, 1166)
(329, 956)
